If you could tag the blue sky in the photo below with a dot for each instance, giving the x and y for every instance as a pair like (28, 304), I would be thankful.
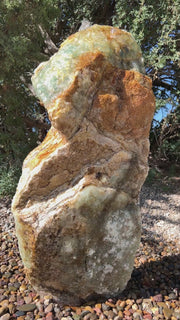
(162, 112)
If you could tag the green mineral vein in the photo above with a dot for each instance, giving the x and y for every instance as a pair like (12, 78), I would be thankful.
(51, 78)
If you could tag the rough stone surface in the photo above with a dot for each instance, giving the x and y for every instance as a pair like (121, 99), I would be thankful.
(76, 213)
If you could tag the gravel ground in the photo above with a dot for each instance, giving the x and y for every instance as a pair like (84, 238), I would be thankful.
(160, 208)
(152, 292)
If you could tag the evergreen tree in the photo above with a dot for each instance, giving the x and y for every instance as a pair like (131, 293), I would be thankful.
(155, 25)
(32, 30)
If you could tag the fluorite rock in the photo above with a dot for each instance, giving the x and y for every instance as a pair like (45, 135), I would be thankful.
(76, 205)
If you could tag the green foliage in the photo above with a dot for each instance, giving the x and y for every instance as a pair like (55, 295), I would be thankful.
(31, 31)
(155, 25)
(153, 175)
(8, 180)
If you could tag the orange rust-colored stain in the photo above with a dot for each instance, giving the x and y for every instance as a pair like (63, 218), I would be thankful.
(141, 102)
(109, 109)
(128, 108)
(87, 59)
(52, 142)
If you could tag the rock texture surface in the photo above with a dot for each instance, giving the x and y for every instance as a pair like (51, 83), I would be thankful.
(76, 213)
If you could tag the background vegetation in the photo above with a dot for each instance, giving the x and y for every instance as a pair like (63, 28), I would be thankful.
(32, 30)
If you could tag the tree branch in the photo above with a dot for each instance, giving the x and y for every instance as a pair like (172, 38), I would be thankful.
(50, 46)
(36, 123)
(159, 83)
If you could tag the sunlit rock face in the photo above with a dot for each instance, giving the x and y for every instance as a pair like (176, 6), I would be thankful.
(76, 212)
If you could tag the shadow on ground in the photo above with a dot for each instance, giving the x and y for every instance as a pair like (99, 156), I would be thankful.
(155, 277)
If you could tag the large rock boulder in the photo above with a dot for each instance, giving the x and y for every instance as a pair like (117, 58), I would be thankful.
(76, 213)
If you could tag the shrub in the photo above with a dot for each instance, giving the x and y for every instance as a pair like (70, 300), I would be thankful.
(8, 180)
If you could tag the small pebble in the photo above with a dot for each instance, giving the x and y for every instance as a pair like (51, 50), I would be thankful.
(87, 316)
(3, 310)
(27, 307)
(4, 303)
(11, 308)
(5, 316)
(49, 308)
(75, 316)
(167, 313)
(123, 304)
(49, 316)
(105, 307)
(102, 317)
(158, 298)
(28, 299)
(111, 314)
(151, 293)
(172, 296)
(20, 313)
(136, 316)
(84, 313)
(120, 314)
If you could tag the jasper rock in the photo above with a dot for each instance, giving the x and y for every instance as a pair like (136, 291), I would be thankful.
(77, 218)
